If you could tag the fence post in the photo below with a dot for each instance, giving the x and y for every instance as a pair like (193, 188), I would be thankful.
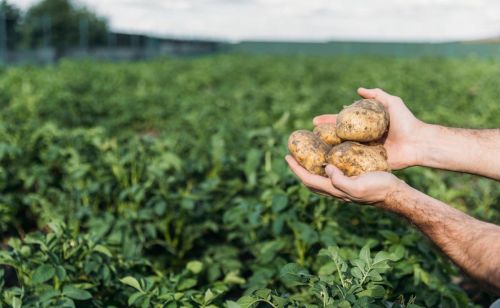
(46, 31)
(111, 39)
(84, 34)
(3, 37)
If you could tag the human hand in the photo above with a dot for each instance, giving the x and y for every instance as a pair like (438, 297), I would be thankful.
(368, 188)
(402, 139)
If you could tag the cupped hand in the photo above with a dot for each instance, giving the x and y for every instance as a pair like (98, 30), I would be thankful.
(368, 188)
(402, 138)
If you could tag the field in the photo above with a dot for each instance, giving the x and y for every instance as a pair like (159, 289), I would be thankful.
(163, 184)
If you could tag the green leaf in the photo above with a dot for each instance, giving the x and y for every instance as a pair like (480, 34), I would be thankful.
(146, 302)
(43, 273)
(344, 304)
(56, 227)
(131, 281)
(134, 297)
(49, 294)
(375, 276)
(327, 269)
(279, 302)
(280, 201)
(305, 232)
(66, 303)
(294, 274)
(389, 235)
(251, 165)
(233, 278)
(364, 254)
(381, 257)
(16, 302)
(103, 249)
(186, 284)
(195, 267)
(398, 253)
(374, 291)
(231, 304)
(359, 263)
(262, 293)
(60, 272)
(208, 297)
(75, 293)
(247, 301)
(331, 252)
(356, 272)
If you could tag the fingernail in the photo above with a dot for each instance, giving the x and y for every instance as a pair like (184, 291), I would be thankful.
(329, 170)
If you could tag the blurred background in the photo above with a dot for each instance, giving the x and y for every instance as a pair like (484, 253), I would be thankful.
(45, 31)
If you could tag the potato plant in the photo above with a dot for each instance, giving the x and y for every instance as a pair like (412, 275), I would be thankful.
(162, 184)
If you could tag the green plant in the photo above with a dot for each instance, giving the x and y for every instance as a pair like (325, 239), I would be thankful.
(170, 174)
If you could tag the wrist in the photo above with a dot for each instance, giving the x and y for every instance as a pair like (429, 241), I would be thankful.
(394, 196)
(422, 143)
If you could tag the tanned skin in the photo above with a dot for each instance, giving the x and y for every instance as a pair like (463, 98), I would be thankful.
(472, 245)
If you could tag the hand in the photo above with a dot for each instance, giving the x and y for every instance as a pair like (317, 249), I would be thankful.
(401, 142)
(369, 188)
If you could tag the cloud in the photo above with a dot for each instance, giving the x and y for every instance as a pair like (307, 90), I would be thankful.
(413, 20)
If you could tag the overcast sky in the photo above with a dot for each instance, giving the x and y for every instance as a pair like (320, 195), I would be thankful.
(380, 20)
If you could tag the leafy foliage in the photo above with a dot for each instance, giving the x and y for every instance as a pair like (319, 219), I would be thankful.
(163, 184)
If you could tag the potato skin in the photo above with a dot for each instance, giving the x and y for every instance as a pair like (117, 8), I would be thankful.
(308, 150)
(326, 132)
(365, 120)
(354, 158)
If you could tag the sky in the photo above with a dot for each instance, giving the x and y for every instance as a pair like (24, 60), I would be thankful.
(303, 20)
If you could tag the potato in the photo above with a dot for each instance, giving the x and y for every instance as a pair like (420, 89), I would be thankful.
(308, 150)
(365, 120)
(326, 132)
(354, 158)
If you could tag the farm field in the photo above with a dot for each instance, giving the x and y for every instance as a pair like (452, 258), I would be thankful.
(163, 184)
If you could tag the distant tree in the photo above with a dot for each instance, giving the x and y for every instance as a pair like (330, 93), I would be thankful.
(60, 23)
(11, 17)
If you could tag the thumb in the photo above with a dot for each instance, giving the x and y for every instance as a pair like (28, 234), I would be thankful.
(376, 93)
(339, 180)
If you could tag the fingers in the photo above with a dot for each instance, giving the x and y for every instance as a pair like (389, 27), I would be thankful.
(312, 181)
(339, 180)
(325, 119)
(377, 94)
(319, 192)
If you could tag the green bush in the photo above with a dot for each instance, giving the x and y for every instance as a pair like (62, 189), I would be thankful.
(163, 184)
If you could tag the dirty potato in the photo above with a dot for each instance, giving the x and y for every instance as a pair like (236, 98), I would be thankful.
(363, 121)
(308, 150)
(326, 132)
(354, 158)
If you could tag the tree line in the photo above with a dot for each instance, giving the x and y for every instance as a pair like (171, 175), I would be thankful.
(59, 24)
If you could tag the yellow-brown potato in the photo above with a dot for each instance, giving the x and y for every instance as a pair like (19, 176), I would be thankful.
(363, 121)
(326, 132)
(308, 150)
(354, 158)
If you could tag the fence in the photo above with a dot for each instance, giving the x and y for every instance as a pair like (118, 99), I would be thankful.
(171, 48)
(457, 49)
(43, 42)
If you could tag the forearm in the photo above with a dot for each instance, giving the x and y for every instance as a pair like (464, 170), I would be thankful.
(457, 149)
(471, 244)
